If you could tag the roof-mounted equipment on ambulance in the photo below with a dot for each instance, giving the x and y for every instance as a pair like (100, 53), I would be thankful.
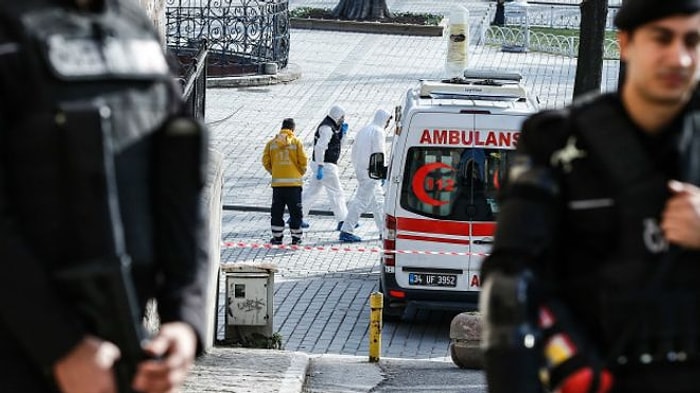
(476, 85)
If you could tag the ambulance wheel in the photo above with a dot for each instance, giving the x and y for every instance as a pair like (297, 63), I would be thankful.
(389, 313)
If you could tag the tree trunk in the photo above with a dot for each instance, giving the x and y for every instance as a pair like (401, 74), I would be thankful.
(362, 10)
(589, 67)
(500, 18)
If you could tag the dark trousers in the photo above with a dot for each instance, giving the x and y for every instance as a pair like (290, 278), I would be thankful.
(289, 197)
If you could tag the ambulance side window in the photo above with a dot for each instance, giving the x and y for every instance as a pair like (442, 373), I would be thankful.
(453, 183)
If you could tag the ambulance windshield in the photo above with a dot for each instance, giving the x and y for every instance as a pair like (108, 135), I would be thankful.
(450, 183)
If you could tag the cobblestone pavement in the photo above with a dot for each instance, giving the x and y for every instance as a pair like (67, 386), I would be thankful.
(321, 297)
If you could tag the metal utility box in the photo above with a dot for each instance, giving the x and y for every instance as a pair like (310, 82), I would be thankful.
(249, 301)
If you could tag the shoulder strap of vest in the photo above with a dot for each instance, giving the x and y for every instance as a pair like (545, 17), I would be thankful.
(611, 138)
(690, 148)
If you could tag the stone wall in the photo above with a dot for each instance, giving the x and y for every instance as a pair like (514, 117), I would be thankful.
(212, 208)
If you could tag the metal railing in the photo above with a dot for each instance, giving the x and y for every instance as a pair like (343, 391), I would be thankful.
(194, 83)
(540, 15)
(241, 34)
(544, 42)
(563, 16)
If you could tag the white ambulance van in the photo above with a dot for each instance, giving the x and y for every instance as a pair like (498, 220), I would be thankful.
(454, 140)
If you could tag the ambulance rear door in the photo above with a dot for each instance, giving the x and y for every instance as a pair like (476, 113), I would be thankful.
(446, 208)
(499, 136)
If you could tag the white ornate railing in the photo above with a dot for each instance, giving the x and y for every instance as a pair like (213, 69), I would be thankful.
(543, 42)
(562, 16)
(552, 16)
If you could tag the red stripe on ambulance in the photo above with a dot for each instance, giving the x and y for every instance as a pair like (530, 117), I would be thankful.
(442, 227)
(433, 239)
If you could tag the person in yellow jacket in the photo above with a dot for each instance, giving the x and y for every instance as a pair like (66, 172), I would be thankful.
(284, 158)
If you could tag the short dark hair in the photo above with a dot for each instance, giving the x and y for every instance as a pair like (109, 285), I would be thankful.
(635, 13)
(288, 123)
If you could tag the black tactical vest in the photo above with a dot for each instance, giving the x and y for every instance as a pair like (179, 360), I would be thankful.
(83, 79)
(333, 150)
(643, 294)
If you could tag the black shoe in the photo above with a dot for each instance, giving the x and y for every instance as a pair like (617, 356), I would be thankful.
(296, 241)
(276, 241)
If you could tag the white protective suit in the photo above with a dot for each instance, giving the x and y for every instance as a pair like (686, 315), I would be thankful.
(330, 181)
(369, 195)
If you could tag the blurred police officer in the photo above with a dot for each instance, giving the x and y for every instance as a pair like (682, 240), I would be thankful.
(90, 117)
(595, 272)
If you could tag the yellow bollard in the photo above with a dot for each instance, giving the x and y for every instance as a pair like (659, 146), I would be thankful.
(376, 302)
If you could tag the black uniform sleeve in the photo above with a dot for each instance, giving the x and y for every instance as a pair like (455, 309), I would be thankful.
(44, 327)
(530, 201)
(182, 247)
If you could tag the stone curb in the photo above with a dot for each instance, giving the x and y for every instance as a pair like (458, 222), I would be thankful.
(290, 73)
(295, 377)
(366, 27)
(237, 370)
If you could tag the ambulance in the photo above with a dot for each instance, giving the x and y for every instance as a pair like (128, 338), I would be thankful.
(453, 142)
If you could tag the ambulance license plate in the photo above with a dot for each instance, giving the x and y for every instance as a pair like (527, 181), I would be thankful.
(432, 280)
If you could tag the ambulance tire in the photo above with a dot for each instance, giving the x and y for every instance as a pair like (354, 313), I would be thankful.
(389, 313)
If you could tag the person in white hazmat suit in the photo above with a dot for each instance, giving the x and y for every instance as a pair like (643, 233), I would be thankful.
(369, 195)
(328, 141)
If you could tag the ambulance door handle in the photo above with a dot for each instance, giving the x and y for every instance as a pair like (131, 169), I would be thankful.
(488, 240)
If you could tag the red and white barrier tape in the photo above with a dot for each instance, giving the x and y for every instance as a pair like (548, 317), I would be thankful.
(375, 250)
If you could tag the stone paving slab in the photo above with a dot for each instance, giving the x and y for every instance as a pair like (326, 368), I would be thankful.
(241, 370)
(321, 300)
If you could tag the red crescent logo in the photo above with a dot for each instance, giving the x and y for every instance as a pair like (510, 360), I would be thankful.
(418, 183)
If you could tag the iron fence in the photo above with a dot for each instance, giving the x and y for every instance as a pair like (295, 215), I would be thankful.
(194, 83)
(241, 34)
(555, 15)
(543, 42)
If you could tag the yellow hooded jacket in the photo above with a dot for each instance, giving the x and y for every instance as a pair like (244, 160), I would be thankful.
(284, 158)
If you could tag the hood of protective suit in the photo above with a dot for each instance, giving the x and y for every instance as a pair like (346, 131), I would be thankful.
(336, 113)
(370, 139)
(284, 138)
(380, 118)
